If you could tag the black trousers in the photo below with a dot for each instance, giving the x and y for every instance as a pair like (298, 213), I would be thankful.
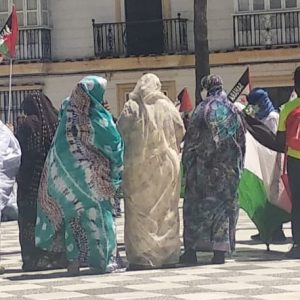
(293, 170)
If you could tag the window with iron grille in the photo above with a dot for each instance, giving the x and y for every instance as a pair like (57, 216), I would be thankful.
(34, 40)
(266, 23)
(18, 97)
(261, 5)
(30, 13)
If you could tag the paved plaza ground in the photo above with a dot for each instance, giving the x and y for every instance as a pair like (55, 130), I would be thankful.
(252, 273)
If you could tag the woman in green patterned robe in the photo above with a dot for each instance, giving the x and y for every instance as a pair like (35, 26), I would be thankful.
(80, 178)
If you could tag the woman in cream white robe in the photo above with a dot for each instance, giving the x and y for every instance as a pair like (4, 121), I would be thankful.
(152, 130)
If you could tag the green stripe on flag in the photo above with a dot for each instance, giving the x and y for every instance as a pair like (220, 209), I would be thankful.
(253, 200)
(3, 49)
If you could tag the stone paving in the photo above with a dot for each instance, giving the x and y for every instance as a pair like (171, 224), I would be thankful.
(251, 273)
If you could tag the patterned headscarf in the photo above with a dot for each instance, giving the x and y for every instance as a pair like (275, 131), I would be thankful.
(219, 113)
(93, 126)
(81, 175)
(107, 137)
(212, 83)
(261, 98)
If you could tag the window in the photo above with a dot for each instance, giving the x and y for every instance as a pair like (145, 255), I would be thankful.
(19, 9)
(275, 4)
(3, 6)
(261, 5)
(32, 15)
(243, 5)
(123, 91)
(291, 3)
(30, 12)
(18, 96)
(258, 4)
(45, 14)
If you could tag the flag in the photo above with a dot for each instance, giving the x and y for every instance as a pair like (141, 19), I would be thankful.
(8, 35)
(262, 194)
(241, 87)
(186, 104)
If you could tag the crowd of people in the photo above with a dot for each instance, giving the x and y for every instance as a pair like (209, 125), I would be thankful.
(70, 166)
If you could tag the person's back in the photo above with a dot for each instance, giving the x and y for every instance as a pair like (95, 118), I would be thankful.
(213, 160)
(74, 201)
(35, 131)
(152, 130)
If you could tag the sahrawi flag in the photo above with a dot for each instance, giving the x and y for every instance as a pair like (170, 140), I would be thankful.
(261, 191)
(8, 35)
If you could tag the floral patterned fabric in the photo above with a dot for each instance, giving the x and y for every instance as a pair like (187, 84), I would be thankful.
(213, 160)
(80, 178)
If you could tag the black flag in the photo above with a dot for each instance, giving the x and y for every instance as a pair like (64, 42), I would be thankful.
(240, 86)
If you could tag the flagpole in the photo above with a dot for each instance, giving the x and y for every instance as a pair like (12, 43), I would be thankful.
(10, 87)
(250, 82)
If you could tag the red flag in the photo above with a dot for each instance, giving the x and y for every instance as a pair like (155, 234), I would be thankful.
(9, 34)
(186, 104)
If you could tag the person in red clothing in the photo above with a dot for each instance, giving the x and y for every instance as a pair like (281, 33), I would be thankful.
(293, 162)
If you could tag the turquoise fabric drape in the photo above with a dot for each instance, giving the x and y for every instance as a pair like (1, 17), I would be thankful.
(81, 175)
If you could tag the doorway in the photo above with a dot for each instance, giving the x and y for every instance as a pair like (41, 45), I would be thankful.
(144, 28)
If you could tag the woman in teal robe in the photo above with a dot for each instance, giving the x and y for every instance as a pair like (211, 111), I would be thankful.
(81, 176)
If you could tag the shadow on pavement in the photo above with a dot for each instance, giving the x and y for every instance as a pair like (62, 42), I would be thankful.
(247, 254)
(9, 253)
(253, 242)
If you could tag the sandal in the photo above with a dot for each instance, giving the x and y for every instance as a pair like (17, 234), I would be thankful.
(74, 268)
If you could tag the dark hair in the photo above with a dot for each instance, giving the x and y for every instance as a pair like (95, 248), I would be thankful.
(297, 80)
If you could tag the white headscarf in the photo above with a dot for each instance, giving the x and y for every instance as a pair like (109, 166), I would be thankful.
(147, 89)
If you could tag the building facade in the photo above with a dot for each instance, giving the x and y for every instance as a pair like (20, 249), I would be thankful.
(60, 41)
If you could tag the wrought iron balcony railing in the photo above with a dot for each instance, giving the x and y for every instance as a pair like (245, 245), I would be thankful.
(34, 44)
(18, 97)
(165, 36)
(267, 29)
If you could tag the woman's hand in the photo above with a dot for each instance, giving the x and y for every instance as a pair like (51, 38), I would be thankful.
(106, 106)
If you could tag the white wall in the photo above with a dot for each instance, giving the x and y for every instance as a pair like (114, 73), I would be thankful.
(220, 24)
(72, 34)
(59, 87)
(186, 9)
